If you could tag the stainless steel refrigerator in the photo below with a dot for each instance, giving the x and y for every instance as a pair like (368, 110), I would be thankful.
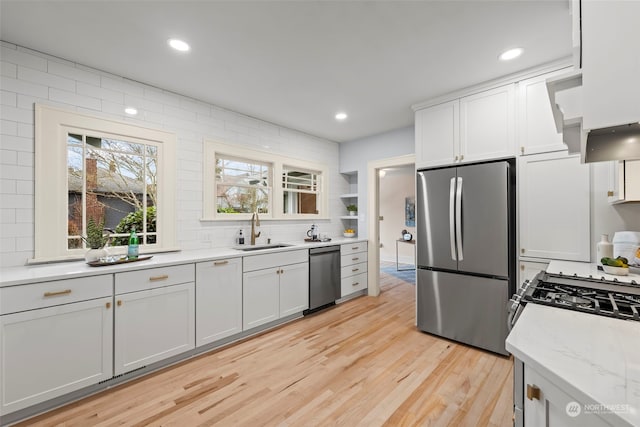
(466, 255)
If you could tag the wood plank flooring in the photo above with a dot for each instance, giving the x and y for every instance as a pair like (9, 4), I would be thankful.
(361, 363)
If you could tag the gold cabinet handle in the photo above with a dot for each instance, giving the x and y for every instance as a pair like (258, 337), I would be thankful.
(355, 248)
(158, 278)
(355, 259)
(522, 267)
(53, 294)
(281, 271)
(217, 263)
(108, 305)
(522, 250)
(522, 150)
(610, 193)
(119, 303)
(355, 283)
(533, 392)
(355, 269)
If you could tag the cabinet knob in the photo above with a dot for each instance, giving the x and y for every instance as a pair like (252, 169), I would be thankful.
(522, 250)
(533, 392)
(108, 305)
(522, 150)
(119, 303)
(610, 193)
(522, 267)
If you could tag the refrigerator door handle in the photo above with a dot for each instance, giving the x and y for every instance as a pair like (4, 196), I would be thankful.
(459, 219)
(452, 209)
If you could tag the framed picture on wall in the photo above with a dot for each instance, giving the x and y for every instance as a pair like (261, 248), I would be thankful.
(410, 211)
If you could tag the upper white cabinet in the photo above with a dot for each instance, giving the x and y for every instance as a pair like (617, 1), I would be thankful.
(487, 124)
(476, 127)
(624, 181)
(554, 194)
(438, 134)
(218, 299)
(610, 63)
(537, 132)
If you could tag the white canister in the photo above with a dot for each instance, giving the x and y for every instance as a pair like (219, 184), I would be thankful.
(604, 248)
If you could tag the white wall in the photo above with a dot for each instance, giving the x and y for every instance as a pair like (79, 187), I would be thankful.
(29, 77)
(395, 186)
(356, 155)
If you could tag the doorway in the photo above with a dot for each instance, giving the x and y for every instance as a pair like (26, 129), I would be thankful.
(400, 167)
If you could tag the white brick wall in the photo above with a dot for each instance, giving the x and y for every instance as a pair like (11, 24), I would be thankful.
(28, 77)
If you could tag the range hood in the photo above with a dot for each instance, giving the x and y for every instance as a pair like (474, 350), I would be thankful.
(613, 143)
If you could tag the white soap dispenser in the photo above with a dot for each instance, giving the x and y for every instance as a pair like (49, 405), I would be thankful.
(604, 248)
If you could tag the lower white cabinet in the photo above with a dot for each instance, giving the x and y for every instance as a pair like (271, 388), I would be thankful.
(61, 347)
(529, 269)
(218, 299)
(554, 196)
(353, 268)
(153, 324)
(547, 405)
(274, 286)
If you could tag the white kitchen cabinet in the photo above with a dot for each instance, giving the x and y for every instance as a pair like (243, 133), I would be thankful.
(51, 342)
(476, 127)
(554, 197)
(156, 323)
(536, 125)
(274, 285)
(353, 268)
(218, 299)
(546, 404)
(487, 124)
(624, 181)
(294, 289)
(529, 269)
(437, 131)
(610, 63)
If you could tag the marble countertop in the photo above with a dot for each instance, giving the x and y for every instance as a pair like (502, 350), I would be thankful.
(66, 270)
(595, 359)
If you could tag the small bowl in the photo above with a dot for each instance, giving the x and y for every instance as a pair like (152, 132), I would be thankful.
(617, 271)
(349, 234)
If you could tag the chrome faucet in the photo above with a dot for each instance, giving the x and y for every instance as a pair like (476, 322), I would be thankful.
(255, 222)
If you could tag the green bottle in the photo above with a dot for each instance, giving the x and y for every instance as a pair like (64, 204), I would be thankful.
(134, 241)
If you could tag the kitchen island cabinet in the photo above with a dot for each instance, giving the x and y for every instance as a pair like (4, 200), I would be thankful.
(218, 299)
(154, 316)
(55, 338)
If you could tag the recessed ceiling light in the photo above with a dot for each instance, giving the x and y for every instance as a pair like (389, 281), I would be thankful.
(179, 45)
(131, 111)
(341, 116)
(510, 54)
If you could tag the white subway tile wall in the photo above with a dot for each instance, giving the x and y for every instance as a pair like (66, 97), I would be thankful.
(28, 77)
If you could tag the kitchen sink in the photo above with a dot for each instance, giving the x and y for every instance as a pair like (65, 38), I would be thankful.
(260, 247)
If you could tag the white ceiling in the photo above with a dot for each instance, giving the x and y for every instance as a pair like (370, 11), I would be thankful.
(296, 63)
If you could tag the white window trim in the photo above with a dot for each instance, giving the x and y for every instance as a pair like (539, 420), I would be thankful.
(277, 199)
(52, 126)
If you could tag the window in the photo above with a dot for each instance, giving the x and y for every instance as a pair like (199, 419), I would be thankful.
(118, 175)
(300, 191)
(240, 181)
(242, 186)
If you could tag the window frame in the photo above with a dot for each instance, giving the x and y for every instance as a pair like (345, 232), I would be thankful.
(278, 162)
(52, 125)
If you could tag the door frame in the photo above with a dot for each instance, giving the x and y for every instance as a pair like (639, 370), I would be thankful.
(373, 184)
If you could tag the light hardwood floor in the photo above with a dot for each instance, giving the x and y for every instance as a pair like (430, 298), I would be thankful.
(361, 363)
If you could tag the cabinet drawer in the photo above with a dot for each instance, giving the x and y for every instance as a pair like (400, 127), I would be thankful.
(353, 284)
(352, 270)
(47, 294)
(350, 248)
(351, 259)
(140, 280)
(258, 262)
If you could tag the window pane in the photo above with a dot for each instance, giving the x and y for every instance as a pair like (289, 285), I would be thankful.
(235, 199)
(243, 186)
(112, 182)
(300, 191)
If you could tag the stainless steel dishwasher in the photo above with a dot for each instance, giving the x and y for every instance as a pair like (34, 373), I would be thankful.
(324, 277)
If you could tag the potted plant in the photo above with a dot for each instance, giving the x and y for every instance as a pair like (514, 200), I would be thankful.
(96, 240)
(353, 209)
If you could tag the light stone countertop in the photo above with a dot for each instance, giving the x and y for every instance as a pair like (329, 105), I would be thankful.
(595, 359)
(66, 270)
